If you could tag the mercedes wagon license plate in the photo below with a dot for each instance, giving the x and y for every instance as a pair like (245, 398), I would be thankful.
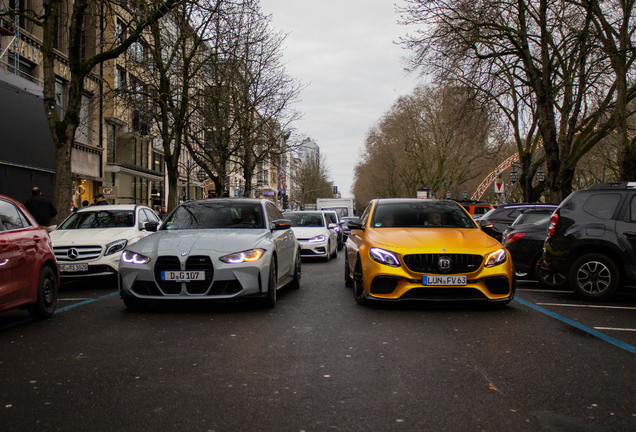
(73, 268)
(444, 280)
(182, 276)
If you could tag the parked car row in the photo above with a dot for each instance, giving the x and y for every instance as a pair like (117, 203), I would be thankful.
(399, 249)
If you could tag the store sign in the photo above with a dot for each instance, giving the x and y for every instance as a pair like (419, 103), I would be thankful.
(109, 192)
(270, 193)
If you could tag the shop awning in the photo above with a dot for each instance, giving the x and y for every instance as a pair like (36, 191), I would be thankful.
(133, 172)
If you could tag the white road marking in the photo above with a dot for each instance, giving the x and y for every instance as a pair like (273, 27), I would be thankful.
(615, 329)
(547, 291)
(588, 306)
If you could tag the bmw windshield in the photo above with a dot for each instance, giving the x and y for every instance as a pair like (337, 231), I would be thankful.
(205, 214)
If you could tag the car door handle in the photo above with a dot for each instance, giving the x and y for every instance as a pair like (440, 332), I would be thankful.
(630, 234)
(4, 243)
(37, 238)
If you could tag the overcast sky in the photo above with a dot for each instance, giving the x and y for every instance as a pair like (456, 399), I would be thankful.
(345, 51)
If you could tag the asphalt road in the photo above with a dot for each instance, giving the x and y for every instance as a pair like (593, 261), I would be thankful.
(320, 362)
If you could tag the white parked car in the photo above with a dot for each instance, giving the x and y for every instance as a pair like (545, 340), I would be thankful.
(90, 241)
(315, 233)
(213, 249)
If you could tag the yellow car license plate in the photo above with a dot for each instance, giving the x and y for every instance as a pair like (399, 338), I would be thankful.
(444, 280)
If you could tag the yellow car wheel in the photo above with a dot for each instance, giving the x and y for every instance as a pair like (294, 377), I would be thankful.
(358, 284)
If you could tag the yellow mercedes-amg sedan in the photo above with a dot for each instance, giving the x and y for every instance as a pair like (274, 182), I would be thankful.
(424, 249)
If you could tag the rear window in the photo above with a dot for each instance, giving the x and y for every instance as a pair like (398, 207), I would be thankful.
(602, 205)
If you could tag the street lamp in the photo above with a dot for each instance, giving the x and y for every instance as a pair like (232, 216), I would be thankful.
(540, 176)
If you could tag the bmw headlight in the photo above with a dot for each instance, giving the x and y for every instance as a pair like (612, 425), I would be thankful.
(116, 246)
(495, 258)
(317, 239)
(134, 258)
(384, 257)
(245, 256)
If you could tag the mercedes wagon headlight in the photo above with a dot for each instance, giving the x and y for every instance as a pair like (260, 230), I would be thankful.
(116, 246)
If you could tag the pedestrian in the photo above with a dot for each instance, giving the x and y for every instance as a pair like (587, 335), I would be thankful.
(85, 203)
(41, 208)
(99, 200)
(163, 213)
(73, 207)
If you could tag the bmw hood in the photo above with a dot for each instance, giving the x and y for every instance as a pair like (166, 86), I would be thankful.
(454, 240)
(89, 237)
(202, 241)
(305, 233)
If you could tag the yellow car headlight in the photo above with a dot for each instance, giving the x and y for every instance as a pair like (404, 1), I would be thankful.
(384, 257)
(496, 258)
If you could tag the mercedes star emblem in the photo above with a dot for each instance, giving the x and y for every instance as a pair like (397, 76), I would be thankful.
(73, 253)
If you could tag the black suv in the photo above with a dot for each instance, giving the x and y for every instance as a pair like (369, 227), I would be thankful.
(592, 239)
(495, 222)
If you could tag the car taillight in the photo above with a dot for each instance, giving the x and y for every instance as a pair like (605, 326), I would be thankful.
(553, 223)
(512, 237)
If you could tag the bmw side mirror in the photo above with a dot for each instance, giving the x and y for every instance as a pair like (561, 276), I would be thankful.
(151, 226)
(281, 224)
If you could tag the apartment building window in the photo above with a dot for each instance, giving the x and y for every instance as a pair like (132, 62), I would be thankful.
(120, 79)
(83, 129)
(121, 31)
(137, 52)
(20, 6)
(110, 143)
(157, 162)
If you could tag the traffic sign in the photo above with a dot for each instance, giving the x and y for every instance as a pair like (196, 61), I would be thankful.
(499, 186)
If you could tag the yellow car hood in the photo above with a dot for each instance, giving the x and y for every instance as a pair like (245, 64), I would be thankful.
(432, 240)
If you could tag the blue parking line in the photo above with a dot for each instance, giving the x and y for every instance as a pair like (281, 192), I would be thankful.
(13, 324)
(86, 302)
(591, 331)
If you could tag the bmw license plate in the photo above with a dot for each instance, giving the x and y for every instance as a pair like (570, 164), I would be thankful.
(444, 280)
(73, 267)
(183, 276)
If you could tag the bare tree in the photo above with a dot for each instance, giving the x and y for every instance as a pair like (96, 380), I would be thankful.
(537, 60)
(311, 181)
(261, 94)
(169, 71)
(76, 20)
(440, 137)
(615, 24)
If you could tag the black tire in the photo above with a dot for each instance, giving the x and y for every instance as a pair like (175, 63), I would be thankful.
(328, 257)
(358, 284)
(340, 244)
(335, 251)
(347, 276)
(594, 277)
(270, 299)
(135, 304)
(46, 302)
(295, 283)
(547, 277)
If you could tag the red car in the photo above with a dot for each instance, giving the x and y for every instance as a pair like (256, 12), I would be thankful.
(29, 274)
